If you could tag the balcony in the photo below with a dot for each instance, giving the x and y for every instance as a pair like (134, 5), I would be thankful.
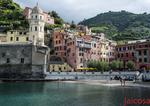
(82, 45)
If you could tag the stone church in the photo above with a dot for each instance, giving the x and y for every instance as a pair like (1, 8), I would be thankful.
(26, 60)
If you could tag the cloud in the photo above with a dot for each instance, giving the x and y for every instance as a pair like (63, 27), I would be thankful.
(77, 10)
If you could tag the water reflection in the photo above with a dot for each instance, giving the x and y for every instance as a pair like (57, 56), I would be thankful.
(66, 94)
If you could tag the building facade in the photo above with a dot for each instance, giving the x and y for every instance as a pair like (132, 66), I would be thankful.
(79, 50)
(136, 51)
(24, 55)
(46, 17)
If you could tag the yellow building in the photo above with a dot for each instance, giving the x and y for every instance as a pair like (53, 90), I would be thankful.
(14, 36)
(56, 64)
(3, 38)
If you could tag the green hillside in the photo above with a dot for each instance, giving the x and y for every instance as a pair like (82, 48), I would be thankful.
(11, 16)
(121, 25)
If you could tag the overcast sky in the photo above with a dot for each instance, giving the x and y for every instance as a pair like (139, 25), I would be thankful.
(77, 10)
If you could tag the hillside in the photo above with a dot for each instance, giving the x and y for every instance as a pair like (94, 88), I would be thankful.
(11, 16)
(121, 25)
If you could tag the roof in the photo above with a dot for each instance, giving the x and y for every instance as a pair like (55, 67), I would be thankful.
(36, 9)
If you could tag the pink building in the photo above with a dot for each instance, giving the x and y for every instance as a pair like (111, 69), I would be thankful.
(47, 18)
(59, 43)
(79, 50)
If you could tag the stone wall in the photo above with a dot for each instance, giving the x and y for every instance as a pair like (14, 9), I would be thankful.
(17, 62)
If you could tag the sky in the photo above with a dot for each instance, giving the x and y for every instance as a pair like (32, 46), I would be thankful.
(77, 10)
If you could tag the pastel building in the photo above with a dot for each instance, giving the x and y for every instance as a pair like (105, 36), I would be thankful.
(14, 36)
(24, 55)
(57, 63)
(78, 50)
(81, 50)
(46, 17)
(3, 37)
(136, 51)
(59, 43)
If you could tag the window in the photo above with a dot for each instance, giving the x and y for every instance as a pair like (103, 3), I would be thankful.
(145, 60)
(40, 17)
(124, 48)
(17, 38)
(120, 49)
(126, 54)
(31, 28)
(11, 32)
(140, 60)
(81, 60)
(118, 55)
(3, 54)
(25, 33)
(64, 68)
(80, 54)
(133, 54)
(20, 33)
(145, 52)
(36, 28)
(36, 16)
(22, 60)
(11, 38)
(140, 53)
(65, 48)
(8, 60)
(122, 55)
(27, 38)
(59, 68)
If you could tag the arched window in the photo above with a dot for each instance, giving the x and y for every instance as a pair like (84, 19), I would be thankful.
(35, 28)
(41, 17)
(36, 17)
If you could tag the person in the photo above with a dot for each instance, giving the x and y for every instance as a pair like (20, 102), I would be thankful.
(123, 80)
(120, 80)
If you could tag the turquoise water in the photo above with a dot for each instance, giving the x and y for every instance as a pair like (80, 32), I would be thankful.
(66, 94)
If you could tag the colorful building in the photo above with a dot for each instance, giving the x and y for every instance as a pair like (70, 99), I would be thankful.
(3, 37)
(135, 51)
(47, 18)
(78, 50)
(57, 64)
(14, 36)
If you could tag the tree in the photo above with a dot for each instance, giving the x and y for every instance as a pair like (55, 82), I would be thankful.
(120, 64)
(102, 66)
(54, 14)
(58, 21)
(114, 65)
(130, 65)
(73, 25)
(92, 64)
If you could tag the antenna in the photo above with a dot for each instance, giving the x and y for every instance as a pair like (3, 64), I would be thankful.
(37, 4)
